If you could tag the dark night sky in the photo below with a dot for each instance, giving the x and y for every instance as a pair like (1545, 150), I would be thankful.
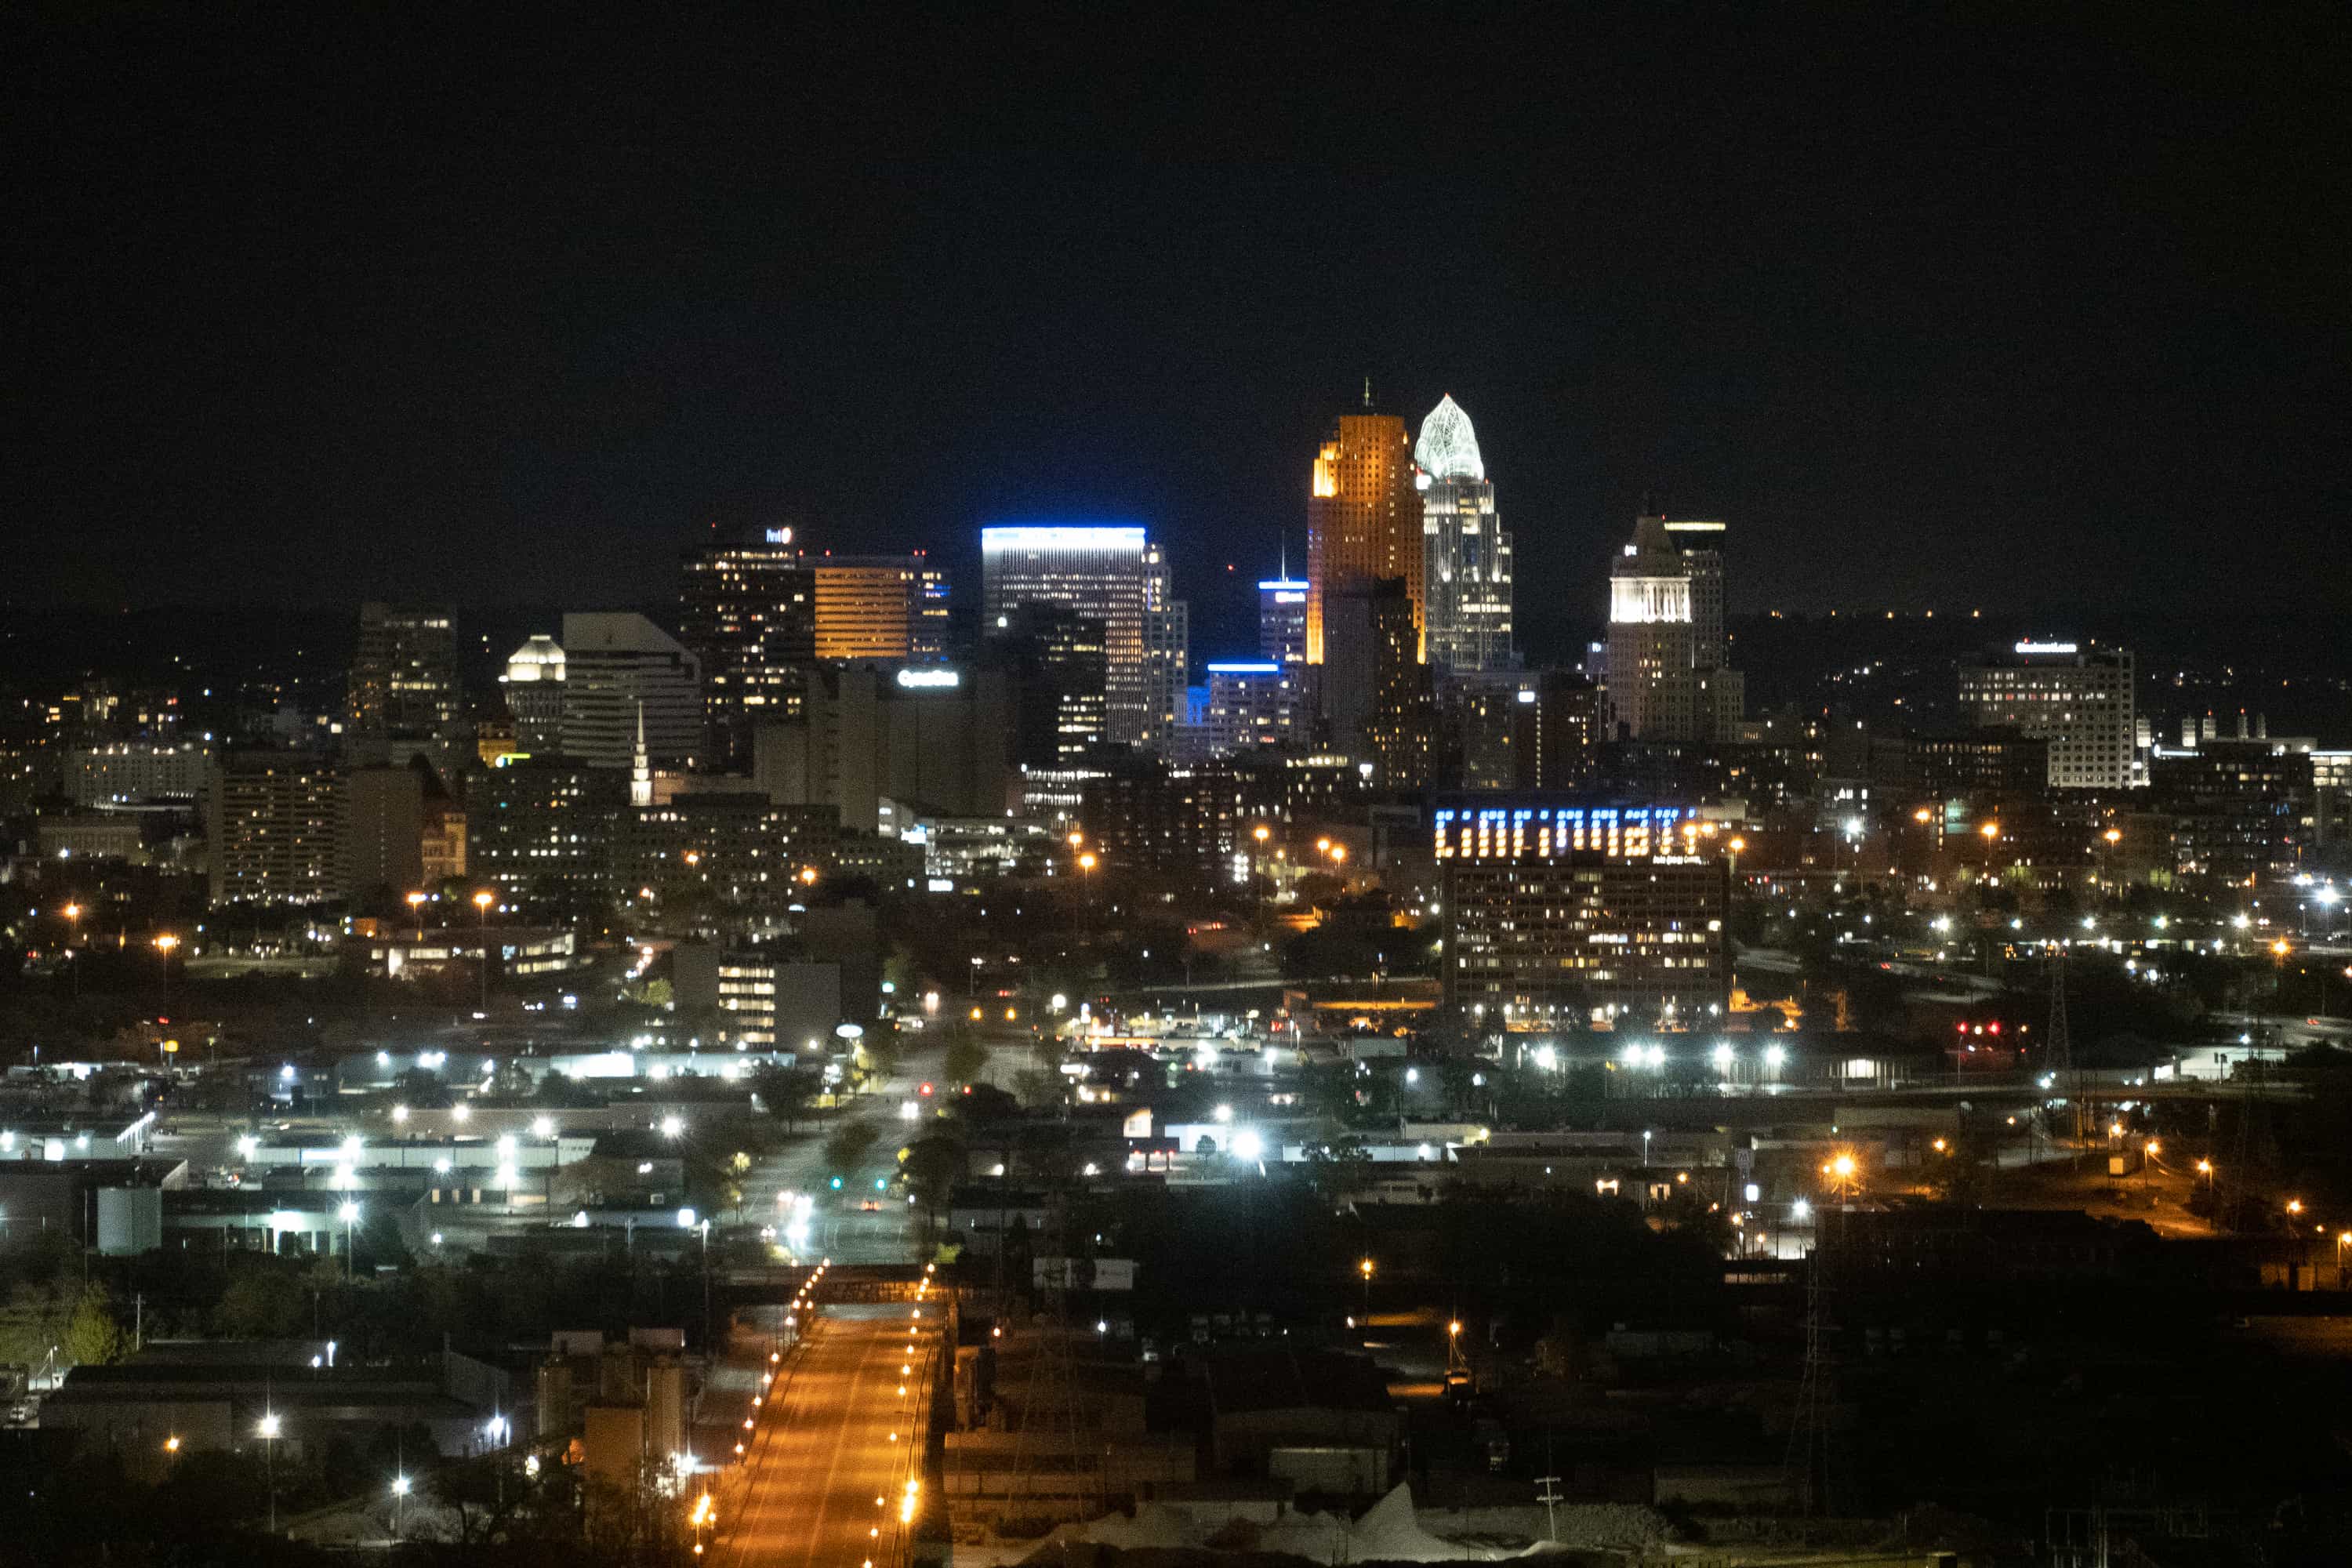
(1936, 309)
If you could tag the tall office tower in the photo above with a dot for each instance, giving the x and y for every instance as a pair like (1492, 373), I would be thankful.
(878, 606)
(533, 685)
(939, 737)
(1282, 621)
(617, 664)
(269, 829)
(1467, 554)
(1363, 518)
(1700, 544)
(380, 835)
(2081, 702)
(1098, 570)
(1167, 649)
(746, 611)
(1561, 913)
(1376, 697)
(405, 674)
(1059, 671)
(1666, 677)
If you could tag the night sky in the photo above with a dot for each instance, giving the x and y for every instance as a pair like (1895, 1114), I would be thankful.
(1939, 310)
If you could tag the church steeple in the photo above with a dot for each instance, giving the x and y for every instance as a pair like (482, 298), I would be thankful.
(641, 772)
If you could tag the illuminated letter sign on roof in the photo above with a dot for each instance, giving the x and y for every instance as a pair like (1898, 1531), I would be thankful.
(918, 678)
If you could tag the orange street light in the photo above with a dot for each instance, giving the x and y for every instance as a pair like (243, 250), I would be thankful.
(414, 900)
(1338, 853)
(1261, 833)
(1991, 830)
(1086, 862)
(165, 941)
(2295, 1205)
(484, 899)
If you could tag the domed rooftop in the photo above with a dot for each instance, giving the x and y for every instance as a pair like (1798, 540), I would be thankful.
(541, 658)
(1448, 447)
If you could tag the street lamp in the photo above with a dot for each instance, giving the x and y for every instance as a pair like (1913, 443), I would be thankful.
(1364, 1268)
(399, 1496)
(269, 1430)
(482, 901)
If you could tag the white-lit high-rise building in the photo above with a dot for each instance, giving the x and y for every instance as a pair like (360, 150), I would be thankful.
(2081, 701)
(533, 685)
(1465, 554)
(617, 665)
(1167, 649)
(1667, 677)
(1096, 570)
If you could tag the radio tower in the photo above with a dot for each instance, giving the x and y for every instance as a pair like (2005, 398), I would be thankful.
(2058, 1048)
(1805, 1470)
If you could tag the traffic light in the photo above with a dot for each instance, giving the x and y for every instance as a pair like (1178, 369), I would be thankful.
(880, 1184)
(836, 1184)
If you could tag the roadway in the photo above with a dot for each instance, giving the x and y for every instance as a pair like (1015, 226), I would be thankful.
(835, 1446)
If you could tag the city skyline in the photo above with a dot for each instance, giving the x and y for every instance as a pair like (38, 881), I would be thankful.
(1965, 296)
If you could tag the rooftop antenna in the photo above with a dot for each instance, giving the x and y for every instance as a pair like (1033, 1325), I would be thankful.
(1367, 395)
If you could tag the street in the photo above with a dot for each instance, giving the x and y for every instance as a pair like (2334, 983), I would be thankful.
(825, 1484)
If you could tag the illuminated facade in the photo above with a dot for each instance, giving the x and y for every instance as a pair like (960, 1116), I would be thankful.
(1363, 519)
(1467, 554)
(879, 607)
(1561, 913)
(746, 611)
(1666, 676)
(2081, 702)
(1100, 571)
(270, 824)
(405, 674)
(1251, 704)
(1167, 649)
(1281, 620)
(533, 685)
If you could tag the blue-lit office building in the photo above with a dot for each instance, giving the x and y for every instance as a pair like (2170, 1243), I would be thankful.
(1563, 912)
(1098, 570)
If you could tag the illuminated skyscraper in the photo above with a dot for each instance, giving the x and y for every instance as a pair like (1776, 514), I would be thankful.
(746, 611)
(1096, 569)
(1167, 649)
(1363, 518)
(405, 674)
(1281, 620)
(533, 684)
(879, 607)
(1667, 677)
(1466, 555)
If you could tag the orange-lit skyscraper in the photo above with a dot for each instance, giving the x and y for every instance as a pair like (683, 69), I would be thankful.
(1363, 519)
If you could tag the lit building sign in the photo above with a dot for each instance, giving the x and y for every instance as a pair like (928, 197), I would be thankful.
(919, 679)
(1062, 536)
(1543, 832)
(1254, 667)
(2045, 648)
(780, 536)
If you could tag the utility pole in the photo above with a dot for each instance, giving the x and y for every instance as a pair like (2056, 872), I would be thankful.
(1547, 1493)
